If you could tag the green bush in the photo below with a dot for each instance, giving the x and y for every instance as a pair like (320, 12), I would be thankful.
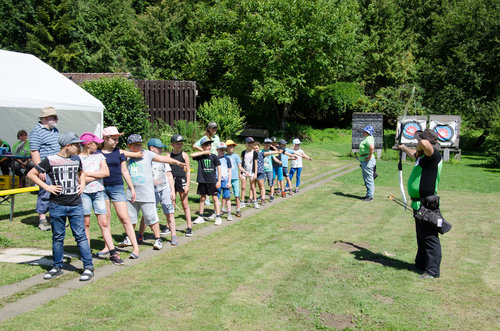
(191, 131)
(224, 111)
(493, 143)
(124, 105)
(160, 130)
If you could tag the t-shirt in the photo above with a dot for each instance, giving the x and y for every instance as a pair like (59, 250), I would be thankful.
(178, 172)
(141, 173)
(5, 148)
(235, 161)
(21, 148)
(278, 157)
(268, 162)
(92, 163)
(248, 159)
(225, 166)
(160, 179)
(114, 161)
(424, 178)
(207, 168)
(213, 147)
(44, 141)
(364, 147)
(298, 162)
(260, 162)
(284, 157)
(63, 171)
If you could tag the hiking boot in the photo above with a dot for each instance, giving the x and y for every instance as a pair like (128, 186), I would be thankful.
(44, 225)
(53, 273)
(238, 213)
(87, 275)
(158, 244)
(125, 243)
(189, 232)
(199, 220)
(164, 231)
(229, 217)
(174, 241)
(218, 220)
(115, 258)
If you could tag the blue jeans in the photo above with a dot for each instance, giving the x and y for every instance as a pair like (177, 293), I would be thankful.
(367, 168)
(58, 214)
(42, 201)
(292, 172)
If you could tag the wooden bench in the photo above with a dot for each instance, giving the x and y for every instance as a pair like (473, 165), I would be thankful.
(9, 196)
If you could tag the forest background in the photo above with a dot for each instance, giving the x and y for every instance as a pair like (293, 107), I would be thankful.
(287, 63)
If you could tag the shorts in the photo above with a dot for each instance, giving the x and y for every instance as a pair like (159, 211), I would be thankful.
(94, 200)
(164, 198)
(269, 176)
(278, 172)
(115, 193)
(261, 176)
(206, 189)
(250, 175)
(226, 192)
(235, 184)
(180, 184)
(285, 172)
(148, 211)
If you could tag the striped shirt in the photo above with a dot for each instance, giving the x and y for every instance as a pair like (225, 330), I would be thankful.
(44, 141)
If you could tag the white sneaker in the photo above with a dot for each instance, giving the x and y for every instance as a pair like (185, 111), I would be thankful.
(256, 205)
(218, 221)
(243, 204)
(224, 209)
(229, 217)
(199, 220)
(125, 243)
(158, 244)
(212, 217)
(208, 203)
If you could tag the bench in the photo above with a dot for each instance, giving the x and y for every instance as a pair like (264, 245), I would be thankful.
(9, 196)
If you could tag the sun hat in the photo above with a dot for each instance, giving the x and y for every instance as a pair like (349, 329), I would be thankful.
(249, 140)
(427, 134)
(369, 129)
(221, 145)
(156, 143)
(231, 143)
(47, 111)
(111, 131)
(296, 141)
(89, 137)
(211, 125)
(282, 142)
(267, 140)
(68, 138)
(177, 138)
(134, 138)
(205, 140)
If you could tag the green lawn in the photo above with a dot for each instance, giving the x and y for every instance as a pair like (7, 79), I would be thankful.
(319, 260)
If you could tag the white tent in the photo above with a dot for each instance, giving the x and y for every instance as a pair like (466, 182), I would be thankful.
(27, 85)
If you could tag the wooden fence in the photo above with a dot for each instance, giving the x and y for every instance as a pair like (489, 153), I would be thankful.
(169, 100)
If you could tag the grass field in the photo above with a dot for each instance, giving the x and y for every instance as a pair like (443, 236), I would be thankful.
(318, 260)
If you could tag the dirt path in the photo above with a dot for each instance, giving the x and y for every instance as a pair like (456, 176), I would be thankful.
(32, 301)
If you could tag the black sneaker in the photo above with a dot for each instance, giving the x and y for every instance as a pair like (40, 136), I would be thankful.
(53, 273)
(189, 232)
(368, 199)
(115, 258)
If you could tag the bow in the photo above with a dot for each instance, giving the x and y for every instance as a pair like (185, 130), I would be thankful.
(400, 163)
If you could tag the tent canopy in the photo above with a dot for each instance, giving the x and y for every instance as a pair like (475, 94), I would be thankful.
(27, 85)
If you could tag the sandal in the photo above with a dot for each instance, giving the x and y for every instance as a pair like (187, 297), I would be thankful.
(133, 256)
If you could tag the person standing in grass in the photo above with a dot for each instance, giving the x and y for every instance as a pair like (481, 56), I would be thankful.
(249, 174)
(236, 168)
(224, 191)
(208, 183)
(285, 156)
(182, 178)
(263, 171)
(423, 183)
(96, 169)
(67, 184)
(296, 165)
(367, 161)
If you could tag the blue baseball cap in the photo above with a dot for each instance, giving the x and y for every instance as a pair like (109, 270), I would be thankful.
(134, 138)
(205, 140)
(249, 140)
(156, 143)
(369, 129)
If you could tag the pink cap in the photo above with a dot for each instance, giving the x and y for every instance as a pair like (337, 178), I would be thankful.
(111, 131)
(88, 137)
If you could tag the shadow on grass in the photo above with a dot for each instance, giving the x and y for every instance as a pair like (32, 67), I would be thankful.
(348, 195)
(18, 214)
(363, 254)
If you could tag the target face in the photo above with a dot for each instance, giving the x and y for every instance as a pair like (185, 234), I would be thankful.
(410, 128)
(445, 132)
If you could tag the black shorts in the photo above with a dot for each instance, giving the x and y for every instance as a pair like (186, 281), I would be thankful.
(180, 184)
(285, 171)
(206, 189)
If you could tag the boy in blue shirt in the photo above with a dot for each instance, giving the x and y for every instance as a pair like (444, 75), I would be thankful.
(236, 168)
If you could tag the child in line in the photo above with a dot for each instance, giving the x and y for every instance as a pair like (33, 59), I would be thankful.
(164, 192)
(224, 191)
(208, 183)
(277, 169)
(287, 154)
(96, 169)
(268, 166)
(236, 168)
(68, 183)
(182, 178)
(249, 174)
(141, 173)
(261, 168)
(296, 165)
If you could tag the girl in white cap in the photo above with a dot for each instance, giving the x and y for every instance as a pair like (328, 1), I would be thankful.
(296, 165)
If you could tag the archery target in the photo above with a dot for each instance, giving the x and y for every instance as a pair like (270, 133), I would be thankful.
(447, 132)
(410, 126)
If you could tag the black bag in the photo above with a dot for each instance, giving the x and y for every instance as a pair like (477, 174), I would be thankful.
(429, 212)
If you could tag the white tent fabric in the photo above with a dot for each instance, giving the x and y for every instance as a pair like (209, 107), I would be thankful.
(27, 85)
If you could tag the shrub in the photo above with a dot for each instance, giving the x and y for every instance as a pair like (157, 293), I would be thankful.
(224, 111)
(160, 130)
(493, 143)
(191, 131)
(124, 105)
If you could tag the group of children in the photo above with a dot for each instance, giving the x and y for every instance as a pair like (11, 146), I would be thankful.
(87, 174)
